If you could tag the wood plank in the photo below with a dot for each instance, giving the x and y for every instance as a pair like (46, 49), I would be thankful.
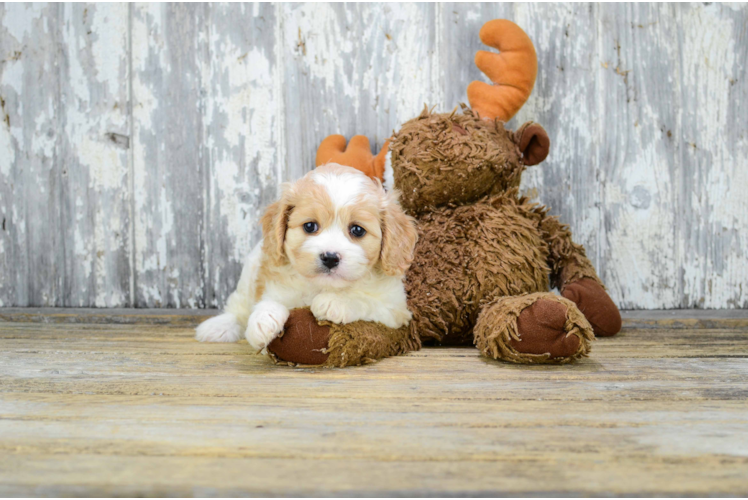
(638, 159)
(198, 431)
(183, 317)
(713, 81)
(639, 364)
(95, 141)
(672, 319)
(32, 267)
(161, 476)
(243, 127)
(169, 60)
(89, 409)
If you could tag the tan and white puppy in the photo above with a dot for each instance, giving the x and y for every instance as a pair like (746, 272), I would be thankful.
(335, 242)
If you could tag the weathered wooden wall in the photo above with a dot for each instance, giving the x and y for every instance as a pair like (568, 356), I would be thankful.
(139, 143)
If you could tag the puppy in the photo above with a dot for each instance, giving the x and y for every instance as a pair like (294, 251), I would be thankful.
(334, 242)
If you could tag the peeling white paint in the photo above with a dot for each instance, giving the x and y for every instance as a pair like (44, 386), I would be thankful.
(318, 36)
(21, 21)
(710, 70)
(106, 169)
(111, 31)
(7, 151)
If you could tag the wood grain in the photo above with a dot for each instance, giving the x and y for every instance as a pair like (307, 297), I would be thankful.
(243, 133)
(32, 255)
(140, 144)
(92, 409)
(95, 163)
(169, 158)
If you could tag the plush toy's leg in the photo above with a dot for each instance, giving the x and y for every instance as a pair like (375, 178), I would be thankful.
(534, 328)
(309, 342)
(573, 274)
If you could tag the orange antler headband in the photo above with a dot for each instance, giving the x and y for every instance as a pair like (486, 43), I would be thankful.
(512, 72)
(357, 154)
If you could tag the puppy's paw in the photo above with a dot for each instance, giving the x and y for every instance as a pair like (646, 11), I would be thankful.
(222, 328)
(393, 318)
(332, 307)
(265, 323)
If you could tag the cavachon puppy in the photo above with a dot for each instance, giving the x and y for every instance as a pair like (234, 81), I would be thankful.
(335, 242)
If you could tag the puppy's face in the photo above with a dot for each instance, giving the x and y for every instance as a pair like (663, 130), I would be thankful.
(336, 224)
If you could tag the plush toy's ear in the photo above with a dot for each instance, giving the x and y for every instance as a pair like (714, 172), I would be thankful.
(534, 143)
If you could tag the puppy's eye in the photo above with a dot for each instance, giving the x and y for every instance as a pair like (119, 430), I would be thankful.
(357, 231)
(310, 227)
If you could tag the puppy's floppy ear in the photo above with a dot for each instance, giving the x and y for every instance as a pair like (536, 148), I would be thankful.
(274, 226)
(399, 237)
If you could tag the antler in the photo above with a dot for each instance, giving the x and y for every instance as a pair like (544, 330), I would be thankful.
(513, 71)
(357, 154)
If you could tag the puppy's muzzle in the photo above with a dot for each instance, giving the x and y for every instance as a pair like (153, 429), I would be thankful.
(330, 260)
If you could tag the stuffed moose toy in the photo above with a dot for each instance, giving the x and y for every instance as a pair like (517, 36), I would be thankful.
(486, 256)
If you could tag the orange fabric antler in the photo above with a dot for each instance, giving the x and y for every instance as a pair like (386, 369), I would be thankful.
(513, 71)
(357, 154)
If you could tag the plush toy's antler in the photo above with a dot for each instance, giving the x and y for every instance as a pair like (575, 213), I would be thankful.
(357, 154)
(513, 71)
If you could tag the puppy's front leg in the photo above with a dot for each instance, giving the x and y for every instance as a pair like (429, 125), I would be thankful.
(346, 308)
(265, 323)
(337, 308)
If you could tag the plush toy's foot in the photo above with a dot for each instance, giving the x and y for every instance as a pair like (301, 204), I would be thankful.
(596, 305)
(303, 341)
(535, 328)
(306, 341)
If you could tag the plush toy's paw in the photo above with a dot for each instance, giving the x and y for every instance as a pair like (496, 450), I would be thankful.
(265, 323)
(304, 341)
(540, 330)
(596, 305)
(534, 328)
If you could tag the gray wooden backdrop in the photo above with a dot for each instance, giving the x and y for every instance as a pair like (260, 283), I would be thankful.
(139, 143)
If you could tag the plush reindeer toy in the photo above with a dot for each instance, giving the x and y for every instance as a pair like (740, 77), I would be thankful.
(486, 257)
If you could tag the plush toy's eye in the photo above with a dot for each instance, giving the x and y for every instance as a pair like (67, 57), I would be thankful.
(311, 227)
(357, 231)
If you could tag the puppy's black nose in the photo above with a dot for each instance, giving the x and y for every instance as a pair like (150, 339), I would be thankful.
(330, 259)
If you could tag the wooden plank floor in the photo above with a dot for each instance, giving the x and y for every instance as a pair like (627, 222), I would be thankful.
(142, 409)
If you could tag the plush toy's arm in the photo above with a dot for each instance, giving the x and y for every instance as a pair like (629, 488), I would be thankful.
(567, 260)
(309, 342)
(574, 275)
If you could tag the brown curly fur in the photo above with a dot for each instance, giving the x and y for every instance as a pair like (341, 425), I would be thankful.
(363, 342)
(478, 238)
(467, 256)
